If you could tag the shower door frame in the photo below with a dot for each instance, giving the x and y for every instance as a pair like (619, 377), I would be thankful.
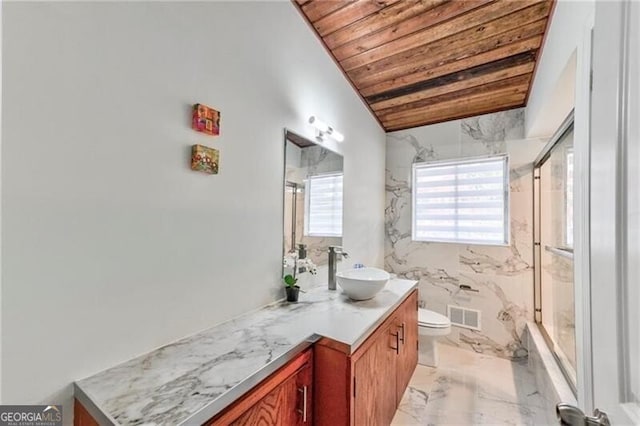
(567, 126)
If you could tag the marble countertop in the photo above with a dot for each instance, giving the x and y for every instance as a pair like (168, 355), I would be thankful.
(189, 381)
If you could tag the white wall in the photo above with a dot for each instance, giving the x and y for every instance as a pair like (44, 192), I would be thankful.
(553, 90)
(112, 245)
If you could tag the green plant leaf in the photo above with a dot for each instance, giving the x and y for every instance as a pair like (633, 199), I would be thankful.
(289, 280)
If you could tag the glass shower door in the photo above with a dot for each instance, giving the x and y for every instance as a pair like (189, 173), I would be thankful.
(556, 253)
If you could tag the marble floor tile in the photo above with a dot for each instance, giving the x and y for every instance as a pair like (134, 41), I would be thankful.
(471, 389)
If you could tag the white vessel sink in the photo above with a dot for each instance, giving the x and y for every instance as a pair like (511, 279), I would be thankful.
(362, 283)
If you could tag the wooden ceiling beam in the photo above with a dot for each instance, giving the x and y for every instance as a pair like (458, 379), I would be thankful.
(418, 62)
(461, 113)
(411, 82)
(460, 23)
(491, 102)
(536, 13)
(438, 15)
(386, 17)
(456, 85)
(456, 101)
(542, 43)
(353, 12)
(494, 86)
(316, 9)
(445, 55)
(463, 74)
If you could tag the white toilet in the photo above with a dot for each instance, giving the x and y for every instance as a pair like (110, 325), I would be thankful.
(431, 326)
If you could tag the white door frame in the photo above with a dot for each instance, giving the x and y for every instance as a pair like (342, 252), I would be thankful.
(582, 272)
(609, 141)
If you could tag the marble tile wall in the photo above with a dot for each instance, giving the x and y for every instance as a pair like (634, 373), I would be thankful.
(503, 275)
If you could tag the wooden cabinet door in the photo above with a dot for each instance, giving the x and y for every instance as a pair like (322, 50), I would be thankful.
(374, 396)
(289, 404)
(283, 399)
(407, 323)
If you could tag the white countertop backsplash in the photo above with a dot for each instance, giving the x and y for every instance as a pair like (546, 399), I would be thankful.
(189, 381)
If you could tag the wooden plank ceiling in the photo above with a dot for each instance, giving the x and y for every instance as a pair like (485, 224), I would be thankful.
(418, 62)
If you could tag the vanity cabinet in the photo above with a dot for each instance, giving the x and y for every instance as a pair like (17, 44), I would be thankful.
(284, 399)
(329, 383)
(407, 326)
(365, 388)
(375, 379)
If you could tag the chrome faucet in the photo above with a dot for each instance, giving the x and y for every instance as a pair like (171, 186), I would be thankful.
(334, 252)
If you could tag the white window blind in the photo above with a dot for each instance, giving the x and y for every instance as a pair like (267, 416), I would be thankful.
(323, 206)
(462, 201)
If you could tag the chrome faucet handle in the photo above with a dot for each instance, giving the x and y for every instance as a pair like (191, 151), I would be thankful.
(338, 250)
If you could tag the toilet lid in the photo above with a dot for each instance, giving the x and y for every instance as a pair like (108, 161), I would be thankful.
(432, 319)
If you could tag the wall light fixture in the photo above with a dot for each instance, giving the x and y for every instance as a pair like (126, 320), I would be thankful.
(323, 129)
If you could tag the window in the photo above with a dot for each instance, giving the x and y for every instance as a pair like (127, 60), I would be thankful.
(323, 206)
(463, 201)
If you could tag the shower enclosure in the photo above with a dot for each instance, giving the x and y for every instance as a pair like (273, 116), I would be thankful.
(555, 304)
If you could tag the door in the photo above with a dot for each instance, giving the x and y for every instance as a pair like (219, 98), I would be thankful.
(282, 399)
(374, 397)
(607, 342)
(408, 356)
(554, 249)
(289, 404)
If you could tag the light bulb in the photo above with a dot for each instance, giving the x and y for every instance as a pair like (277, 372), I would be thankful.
(323, 128)
(318, 124)
(339, 137)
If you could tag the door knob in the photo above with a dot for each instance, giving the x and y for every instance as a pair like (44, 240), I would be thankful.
(570, 415)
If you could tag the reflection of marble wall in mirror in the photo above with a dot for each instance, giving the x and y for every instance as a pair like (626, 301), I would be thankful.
(301, 163)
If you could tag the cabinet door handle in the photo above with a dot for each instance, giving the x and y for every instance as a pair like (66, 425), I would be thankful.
(402, 326)
(397, 348)
(303, 411)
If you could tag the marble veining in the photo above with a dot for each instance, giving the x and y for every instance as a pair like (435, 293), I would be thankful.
(465, 390)
(492, 131)
(503, 275)
(190, 380)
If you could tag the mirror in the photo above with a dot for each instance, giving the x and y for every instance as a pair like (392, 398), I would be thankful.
(312, 198)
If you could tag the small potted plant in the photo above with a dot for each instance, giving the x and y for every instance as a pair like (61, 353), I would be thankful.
(297, 265)
(292, 290)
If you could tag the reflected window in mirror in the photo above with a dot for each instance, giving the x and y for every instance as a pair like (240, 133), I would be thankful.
(323, 205)
(312, 198)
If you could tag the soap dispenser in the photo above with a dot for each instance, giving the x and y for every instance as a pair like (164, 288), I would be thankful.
(302, 251)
